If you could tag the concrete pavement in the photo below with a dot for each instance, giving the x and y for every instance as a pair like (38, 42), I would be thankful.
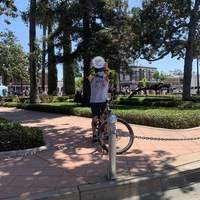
(72, 167)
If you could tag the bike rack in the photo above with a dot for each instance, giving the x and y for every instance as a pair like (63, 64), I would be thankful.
(112, 119)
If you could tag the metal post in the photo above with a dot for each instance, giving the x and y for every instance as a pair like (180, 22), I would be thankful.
(112, 147)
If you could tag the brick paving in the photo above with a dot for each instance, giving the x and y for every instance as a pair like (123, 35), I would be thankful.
(81, 161)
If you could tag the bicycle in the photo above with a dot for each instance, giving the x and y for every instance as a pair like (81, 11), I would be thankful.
(124, 132)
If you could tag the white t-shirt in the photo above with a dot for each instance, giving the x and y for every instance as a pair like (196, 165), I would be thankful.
(99, 89)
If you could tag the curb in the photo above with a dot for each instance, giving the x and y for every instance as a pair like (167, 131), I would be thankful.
(181, 171)
(121, 188)
(15, 153)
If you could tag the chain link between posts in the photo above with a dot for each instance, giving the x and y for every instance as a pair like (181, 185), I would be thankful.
(73, 144)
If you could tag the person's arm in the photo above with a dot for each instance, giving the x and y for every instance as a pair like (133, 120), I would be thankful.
(88, 73)
(108, 72)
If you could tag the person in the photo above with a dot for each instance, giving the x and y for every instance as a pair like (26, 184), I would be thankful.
(99, 83)
(78, 97)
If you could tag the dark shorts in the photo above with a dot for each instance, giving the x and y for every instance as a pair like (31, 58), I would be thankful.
(97, 108)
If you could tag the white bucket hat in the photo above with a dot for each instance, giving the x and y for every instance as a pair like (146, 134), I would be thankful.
(98, 62)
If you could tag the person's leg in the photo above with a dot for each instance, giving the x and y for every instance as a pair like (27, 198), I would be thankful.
(95, 112)
(94, 124)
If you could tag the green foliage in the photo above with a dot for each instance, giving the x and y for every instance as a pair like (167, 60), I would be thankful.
(79, 83)
(160, 111)
(169, 27)
(8, 125)
(8, 9)
(157, 75)
(15, 137)
(171, 119)
(167, 104)
(165, 112)
(124, 101)
(10, 104)
(13, 59)
(7, 99)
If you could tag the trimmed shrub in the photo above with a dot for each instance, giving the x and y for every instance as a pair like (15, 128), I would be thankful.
(21, 138)
(8, 125)
(171, 119)
(14, 136)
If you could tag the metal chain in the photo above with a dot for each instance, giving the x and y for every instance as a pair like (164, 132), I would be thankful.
(165, 139)
(33, 152)
(73, 144)
(155, 138)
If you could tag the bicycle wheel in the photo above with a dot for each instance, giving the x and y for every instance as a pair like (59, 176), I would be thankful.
(124, 136)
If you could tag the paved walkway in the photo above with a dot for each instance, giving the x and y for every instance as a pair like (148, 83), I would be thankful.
(73, 167)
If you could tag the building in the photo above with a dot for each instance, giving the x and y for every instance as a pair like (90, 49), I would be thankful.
(135, 74)
(174, 81)
(18, 87)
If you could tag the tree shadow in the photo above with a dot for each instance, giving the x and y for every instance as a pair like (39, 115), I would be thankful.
(80, 160)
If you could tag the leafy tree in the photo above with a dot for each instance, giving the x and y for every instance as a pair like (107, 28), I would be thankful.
(13, 60)
(77, 70)
(162, 76)
(42, 19)
(45, 16)
(115, 80)
(169, 27)
(159, 75)
(8, 8)
(65, 19)
(98, 27)
(103, 32)
(79, 83)
(176, 72)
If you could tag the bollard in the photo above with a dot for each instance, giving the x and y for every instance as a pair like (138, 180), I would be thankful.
(112, 146)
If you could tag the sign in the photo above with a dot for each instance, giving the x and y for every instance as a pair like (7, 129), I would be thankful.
(144, 81)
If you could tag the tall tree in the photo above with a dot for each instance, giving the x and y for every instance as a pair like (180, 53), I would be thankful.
(94, 27)
(42, 19)
(8, 9)
(33, 70)
(52, 70)
(45, 17)
(169, 27)
(104, 24)
(64, 35)
(13, 60)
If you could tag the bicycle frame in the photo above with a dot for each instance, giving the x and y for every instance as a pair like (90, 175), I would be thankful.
(104, 115)
(122, 129)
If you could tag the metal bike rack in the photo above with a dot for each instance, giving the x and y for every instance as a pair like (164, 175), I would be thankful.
(112, 119)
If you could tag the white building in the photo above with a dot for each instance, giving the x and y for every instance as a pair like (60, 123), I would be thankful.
(136, 73)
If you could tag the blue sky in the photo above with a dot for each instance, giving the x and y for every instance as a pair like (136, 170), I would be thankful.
(22, 33)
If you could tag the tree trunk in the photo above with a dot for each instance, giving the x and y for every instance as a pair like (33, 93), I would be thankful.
(43, 58)
(33, 71)
(86, 38)
(190, 53)
(5, 79)
(68, 70)
(52, 70)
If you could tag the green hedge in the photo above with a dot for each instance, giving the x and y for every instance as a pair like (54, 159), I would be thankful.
(171, 119)
(170, 113)
(15, 136)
